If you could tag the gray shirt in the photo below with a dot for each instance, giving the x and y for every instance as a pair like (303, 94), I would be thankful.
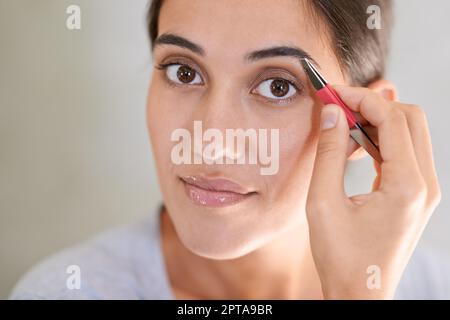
(127, 263)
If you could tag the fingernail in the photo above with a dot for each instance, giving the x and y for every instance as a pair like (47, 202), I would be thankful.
(329, 116)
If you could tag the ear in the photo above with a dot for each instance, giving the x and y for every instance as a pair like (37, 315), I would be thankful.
(387, 90)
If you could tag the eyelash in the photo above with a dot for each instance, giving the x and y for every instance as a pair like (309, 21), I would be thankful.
(164, 66)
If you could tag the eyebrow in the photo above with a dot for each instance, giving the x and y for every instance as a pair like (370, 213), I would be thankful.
(276, 51)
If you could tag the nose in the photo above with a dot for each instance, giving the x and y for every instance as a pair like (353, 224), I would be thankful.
(221, 108)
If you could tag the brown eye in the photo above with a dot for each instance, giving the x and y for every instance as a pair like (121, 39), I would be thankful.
(279, 87)
(183, 74)
(276, 89)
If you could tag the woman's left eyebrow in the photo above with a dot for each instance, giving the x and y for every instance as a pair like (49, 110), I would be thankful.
(276, 51)
(283, 51)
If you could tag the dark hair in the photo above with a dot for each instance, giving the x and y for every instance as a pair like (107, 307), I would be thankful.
(361, 51)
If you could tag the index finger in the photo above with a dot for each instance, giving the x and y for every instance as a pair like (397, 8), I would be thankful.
(394, 138)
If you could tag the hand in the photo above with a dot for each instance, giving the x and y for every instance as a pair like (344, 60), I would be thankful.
(381, 228)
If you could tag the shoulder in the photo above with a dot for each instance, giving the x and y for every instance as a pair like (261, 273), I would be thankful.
(427, 276)
(123, 263)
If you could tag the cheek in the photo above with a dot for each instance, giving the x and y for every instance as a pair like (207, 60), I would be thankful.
(297, 151)
(162, 120)
(298, 139)
(296, 148)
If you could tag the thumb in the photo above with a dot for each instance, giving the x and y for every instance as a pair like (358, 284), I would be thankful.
(331, 156)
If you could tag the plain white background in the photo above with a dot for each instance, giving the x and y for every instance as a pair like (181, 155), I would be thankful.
(74, 153)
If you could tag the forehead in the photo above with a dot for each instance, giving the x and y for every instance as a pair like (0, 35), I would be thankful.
(239, 25)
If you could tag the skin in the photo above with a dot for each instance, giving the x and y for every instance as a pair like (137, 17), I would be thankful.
(298, 236)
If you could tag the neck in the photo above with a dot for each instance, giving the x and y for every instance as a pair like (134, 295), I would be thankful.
(282, 269)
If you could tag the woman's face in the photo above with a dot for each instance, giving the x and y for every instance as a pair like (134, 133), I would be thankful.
(224, 86)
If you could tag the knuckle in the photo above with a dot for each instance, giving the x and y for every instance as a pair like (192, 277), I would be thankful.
(316, 205)
(417, 113)
(368, 98)
(415, 110)
(434, 196)
(309, 207)
(328, 148)
(412, 195)
(395, 114)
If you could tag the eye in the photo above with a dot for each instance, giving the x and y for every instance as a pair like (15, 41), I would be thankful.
(182, 74)
(276, 89)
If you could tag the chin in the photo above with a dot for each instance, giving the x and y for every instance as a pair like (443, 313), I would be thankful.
(220, 251)
(222, 242)
(228, 232)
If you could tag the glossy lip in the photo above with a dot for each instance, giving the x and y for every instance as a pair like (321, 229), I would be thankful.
(214, 192)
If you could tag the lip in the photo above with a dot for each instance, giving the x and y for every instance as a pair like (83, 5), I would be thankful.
(214, 192)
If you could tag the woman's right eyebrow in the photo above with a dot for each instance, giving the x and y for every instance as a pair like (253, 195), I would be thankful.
(176, 40)
(276, 51)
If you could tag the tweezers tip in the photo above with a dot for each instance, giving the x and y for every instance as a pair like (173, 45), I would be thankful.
(304, 62)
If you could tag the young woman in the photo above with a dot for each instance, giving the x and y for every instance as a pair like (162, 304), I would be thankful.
(226, 231)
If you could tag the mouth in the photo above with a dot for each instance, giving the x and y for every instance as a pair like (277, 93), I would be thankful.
(214, 192)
